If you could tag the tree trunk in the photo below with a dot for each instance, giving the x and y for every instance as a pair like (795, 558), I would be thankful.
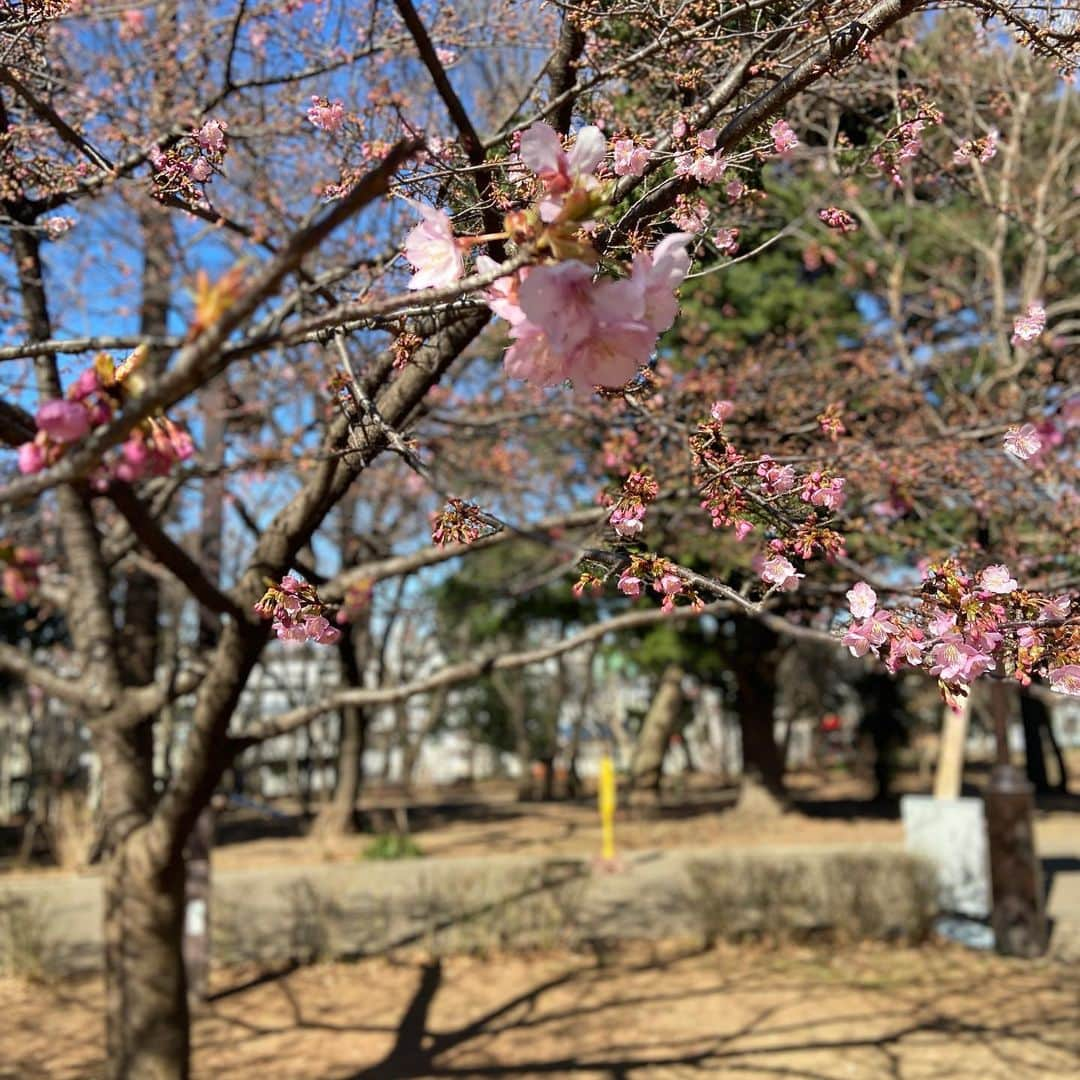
(146, 1007)
(755, 666)
(337, 817)
(665, 712)
(147, 1022)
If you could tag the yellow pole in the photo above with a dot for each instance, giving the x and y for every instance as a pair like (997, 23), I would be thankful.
(606, 799)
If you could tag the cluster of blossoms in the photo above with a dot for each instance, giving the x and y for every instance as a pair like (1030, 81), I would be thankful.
(690, 215)
(835, 218)
(984, 149)
(702, 163)
(459, 522)
(630, 159)
(566, 322)
(93, 399)
(326, 115)
(20, 571)
(191, 161)
(968, 625)
(627, 516)
(298, 613)
(905, 143)
(784, 138)
(646, 571)
(727, 241)
(740, 492)
(1028, 327)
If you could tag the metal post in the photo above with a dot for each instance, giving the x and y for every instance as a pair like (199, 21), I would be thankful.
(1018, 915)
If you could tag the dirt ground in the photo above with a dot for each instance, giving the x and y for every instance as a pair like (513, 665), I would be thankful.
(746, 1012)
(488, 821)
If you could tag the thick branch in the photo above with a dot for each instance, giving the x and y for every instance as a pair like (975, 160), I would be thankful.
(206, 355)
(75, 692)
(169, 553)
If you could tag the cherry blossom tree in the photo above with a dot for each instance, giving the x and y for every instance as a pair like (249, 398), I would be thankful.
(251, 248)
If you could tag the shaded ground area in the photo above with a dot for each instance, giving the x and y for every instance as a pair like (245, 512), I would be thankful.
(747, 1012)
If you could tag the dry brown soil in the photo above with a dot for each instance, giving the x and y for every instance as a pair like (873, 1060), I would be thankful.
(741, 1012)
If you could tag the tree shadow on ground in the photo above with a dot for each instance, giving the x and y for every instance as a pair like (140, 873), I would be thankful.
(420, 1050)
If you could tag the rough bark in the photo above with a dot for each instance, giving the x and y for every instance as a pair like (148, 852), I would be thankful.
(660, 723)
(337, 817)
(147, 1018)
(146, 1009)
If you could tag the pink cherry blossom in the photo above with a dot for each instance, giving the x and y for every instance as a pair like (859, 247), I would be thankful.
(838, 219)
(1022, 442)
(669, 586)
(743, 529)
(690, 215)
(200, 170)
(86, 384)
(857, 640)
(134, 460)
(562, 301)
(780, 572)
(318, 629)
(721, 410)
(658, 274)
(942, 623)
(727, 241)
(326, 115)
(630, 160)
(735, 190)
(627, 521)
(211, 136)
(707, 139)
(541, 150)
(1065, 679)
(1028, 327)
(776, 479)
(904, 650)
(862, 600)
(63, 421)
(783, 137)
(628, 584)
(592, 332)
(613, 355)
(996, 579)
(532, 358)
(707, 168)
(1055, 607)
(502, 296)
(432, 250)
(31, 458)
(56, 226)
(956, 661)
